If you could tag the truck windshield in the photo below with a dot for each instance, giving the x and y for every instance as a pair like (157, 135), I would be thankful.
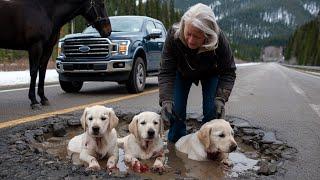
(121, 24)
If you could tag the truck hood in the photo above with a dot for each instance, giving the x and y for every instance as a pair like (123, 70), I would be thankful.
(113, 36)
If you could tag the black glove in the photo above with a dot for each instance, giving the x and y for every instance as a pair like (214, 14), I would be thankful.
(219, 103)
(167, 112)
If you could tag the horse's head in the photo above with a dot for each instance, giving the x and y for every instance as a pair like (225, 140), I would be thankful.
(96, 15)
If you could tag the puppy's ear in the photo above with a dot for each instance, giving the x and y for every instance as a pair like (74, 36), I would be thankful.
(83, 118)
(133, 126)
(113, 119)
(204, 136)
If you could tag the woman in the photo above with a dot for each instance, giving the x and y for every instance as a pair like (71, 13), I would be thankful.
(195, 50)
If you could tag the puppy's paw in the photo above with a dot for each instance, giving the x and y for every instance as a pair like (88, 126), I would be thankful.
(111, 164)
(111, 167)
(158, 167)
(136, 166)
(139, 167)
(227, 163)
(93, 166)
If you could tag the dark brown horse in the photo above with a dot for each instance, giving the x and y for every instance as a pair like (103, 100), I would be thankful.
(34, 25)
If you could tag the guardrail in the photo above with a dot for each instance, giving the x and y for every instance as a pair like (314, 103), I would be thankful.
(305, 68)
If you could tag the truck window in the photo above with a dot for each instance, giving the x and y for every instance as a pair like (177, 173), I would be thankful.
(160, 26)
(149, 26)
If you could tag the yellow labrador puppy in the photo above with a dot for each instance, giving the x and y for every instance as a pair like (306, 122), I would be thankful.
(213, 141)
(99, 139)
(144, 141)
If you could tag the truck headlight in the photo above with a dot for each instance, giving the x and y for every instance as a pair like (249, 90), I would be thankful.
(60, 48)
(123, 46)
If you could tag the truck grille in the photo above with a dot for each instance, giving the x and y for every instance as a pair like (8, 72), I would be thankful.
(87, 47)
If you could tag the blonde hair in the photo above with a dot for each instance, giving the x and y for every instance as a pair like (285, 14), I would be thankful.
(202, 17)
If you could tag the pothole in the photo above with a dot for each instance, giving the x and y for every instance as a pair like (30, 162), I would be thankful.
(259, 153)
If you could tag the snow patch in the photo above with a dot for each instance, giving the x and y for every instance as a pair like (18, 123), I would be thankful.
(312, 8)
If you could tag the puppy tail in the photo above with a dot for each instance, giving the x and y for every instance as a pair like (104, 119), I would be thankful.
(120, 142)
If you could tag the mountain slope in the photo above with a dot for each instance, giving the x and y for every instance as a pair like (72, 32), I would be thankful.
(252, 24)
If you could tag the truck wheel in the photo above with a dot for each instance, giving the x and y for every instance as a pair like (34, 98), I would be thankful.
(137, 78)
(71, 86)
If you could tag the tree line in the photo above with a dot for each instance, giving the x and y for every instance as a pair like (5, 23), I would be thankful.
(304, 44)
(163, 10)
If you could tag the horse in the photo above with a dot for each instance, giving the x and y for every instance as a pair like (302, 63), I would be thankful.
(34, 26)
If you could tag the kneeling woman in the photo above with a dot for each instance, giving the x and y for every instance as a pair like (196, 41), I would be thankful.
(195, 50)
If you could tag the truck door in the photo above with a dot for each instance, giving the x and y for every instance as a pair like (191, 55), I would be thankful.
(151, 47)
(160, 43)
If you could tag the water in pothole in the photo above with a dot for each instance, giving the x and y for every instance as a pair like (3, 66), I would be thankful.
(178, 163)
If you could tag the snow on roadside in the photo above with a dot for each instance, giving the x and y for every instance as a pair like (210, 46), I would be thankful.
(9, 78)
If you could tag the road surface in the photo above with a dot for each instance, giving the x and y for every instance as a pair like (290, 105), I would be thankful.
(268, 95)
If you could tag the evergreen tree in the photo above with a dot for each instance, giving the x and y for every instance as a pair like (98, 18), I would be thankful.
(171, 12)
(158, 9)
(165, 14)
(140, 8)
(147, 8)
(304, 44)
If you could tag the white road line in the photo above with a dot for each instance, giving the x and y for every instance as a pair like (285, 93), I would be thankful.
(297, 89)
(247, 64)
(316, 108)
(21, 89)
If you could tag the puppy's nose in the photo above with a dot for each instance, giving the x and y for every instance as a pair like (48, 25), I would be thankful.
(151, 133)
(95, 129)
(233, 147)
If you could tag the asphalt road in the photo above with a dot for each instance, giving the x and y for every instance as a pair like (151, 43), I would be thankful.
(15, 103)
(287, 102)
(269, 96)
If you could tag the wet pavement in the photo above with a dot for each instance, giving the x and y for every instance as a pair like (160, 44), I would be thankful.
(39, 150)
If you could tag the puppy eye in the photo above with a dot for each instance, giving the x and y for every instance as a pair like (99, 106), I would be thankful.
(155, 123)
(221, 135)
(143, 123)
(90, 118)
(103, 118)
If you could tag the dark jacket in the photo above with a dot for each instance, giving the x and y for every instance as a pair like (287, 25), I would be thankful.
(196, 66)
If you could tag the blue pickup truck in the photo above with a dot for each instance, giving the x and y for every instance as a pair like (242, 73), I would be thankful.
(128, 56)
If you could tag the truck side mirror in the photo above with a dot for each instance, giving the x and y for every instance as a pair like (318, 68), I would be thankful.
(155, 33)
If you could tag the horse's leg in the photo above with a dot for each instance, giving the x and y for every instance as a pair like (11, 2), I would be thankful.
(42, 75)
(35, 52)
(43, 67)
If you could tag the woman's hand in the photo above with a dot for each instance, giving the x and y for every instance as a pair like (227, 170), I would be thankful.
(166, 112)
(220, 112)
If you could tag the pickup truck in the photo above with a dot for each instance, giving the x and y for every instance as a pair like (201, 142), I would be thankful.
(128, 56)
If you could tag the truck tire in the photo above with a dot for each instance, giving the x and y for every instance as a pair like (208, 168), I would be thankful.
(137, 78)
(71, 86)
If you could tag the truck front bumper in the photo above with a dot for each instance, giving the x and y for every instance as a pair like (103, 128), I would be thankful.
(111, 70)
(93, 66)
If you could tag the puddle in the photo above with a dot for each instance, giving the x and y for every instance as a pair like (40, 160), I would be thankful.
(259, 152)
(179, 166)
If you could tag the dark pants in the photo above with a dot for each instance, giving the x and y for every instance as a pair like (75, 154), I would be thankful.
(181, 92)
